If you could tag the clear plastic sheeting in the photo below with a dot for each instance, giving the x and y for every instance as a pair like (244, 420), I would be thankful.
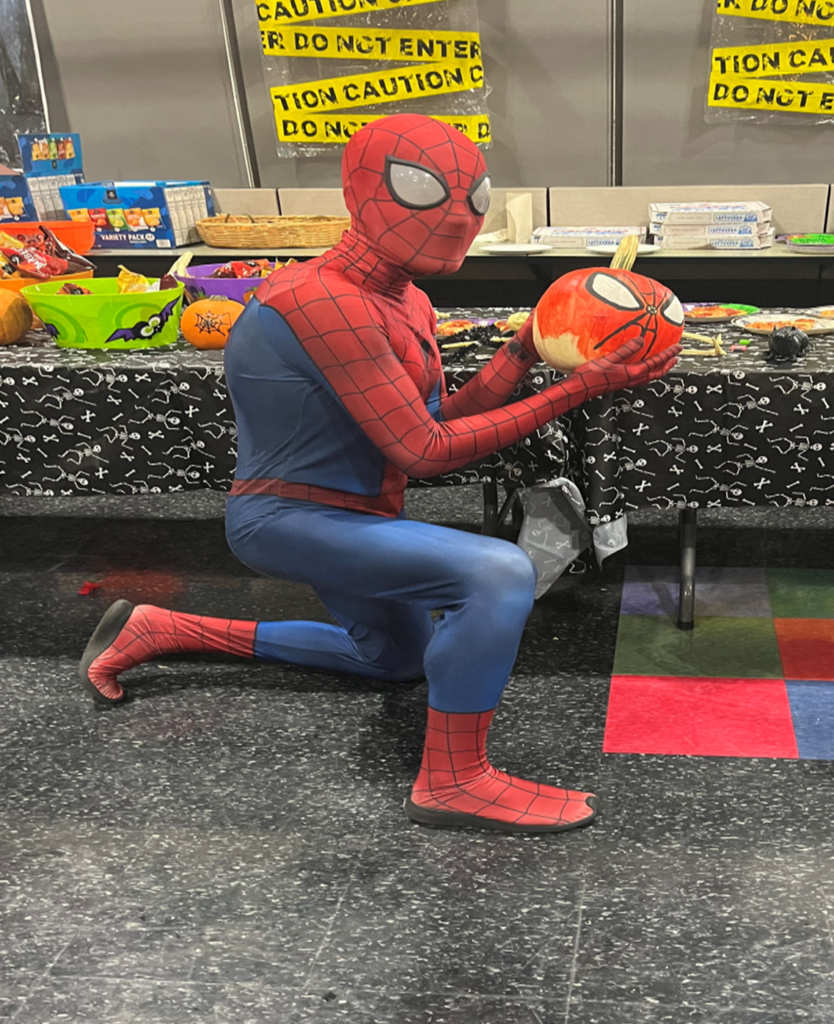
(772, 62)
(21, 102)
(333, 66)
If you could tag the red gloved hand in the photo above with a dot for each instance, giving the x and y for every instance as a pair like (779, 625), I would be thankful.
(613, 372)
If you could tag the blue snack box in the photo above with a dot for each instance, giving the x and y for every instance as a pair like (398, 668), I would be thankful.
(45, 155)
(140, 214)
(15, 199)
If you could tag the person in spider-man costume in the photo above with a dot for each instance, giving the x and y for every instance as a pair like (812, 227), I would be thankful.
(338, 393)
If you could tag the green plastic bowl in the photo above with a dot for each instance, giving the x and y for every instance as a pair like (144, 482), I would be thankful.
(105, 319)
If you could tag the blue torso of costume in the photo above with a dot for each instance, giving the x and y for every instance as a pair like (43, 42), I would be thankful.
(295, 436)
(291, 425)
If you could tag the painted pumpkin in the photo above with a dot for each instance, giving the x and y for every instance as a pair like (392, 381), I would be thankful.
(207, 322)
(15, 317)
(588, 313)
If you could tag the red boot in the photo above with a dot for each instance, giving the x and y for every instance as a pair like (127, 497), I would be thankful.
(457, 786)
(128, 636)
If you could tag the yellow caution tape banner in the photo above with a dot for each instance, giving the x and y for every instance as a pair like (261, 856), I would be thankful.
(277, 13)
(803, 12)
(339, 128)
(372, 44)
(760, 94)
(774, 59)
(376, 87)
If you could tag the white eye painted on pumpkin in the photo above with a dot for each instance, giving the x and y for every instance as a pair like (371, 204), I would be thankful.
(479, 195)
(673, 311)
(613, 292)
(413, 186)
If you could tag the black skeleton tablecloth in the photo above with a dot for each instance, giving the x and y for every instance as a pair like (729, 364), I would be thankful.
(159, 420)
(729, 431)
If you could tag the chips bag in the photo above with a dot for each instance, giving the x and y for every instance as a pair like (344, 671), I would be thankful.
(130, 283)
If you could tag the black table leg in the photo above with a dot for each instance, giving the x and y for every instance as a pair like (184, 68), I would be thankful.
(686, 604)
(490, 508)
(518, 512)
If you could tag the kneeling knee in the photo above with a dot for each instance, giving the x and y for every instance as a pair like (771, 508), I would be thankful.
(507, 581)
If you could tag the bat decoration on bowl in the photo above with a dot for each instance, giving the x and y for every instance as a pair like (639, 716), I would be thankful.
(149, 328)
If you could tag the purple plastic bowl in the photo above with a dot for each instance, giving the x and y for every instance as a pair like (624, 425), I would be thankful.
(198, 285)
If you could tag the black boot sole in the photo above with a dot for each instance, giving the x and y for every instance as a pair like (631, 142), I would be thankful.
(111, 624)
(453, 819)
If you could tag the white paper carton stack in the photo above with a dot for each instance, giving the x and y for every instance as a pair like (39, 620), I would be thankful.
(582, 237)
(711, 225)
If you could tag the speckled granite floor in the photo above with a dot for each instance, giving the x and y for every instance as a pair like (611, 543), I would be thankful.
(229, 846)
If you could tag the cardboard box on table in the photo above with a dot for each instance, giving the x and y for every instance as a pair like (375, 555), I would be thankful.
(141, 214)
(15, 200)
(50, 162)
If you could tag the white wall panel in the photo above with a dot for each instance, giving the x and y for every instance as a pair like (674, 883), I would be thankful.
(148, 87)
(666, 140)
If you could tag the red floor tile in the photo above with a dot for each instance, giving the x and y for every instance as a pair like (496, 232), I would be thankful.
(806, 647)
(699, 716)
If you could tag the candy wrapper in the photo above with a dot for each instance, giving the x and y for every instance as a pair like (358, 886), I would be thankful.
(7, 242)
(31, 262)
(71, 288)
(53, 246)
(130, 283)
(244, 269)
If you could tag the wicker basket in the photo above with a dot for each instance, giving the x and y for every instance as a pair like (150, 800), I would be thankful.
(230, 232)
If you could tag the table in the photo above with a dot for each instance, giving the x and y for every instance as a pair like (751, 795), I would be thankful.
(76, 422)
(732, 432)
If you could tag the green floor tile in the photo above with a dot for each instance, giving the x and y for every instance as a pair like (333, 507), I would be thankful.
(719, 647)
(801, 593)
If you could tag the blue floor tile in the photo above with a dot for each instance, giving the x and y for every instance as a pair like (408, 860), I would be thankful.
(653, 590)
(812, 708)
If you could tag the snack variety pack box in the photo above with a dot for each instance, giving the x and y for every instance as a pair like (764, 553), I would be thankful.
(757, 241)
(15, 199)
(709, 230)
(141, 214)
(709, 213)
(580, 237)
(50, 162)
(45, 155)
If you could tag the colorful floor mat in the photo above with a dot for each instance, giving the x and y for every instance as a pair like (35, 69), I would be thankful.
(755, 678)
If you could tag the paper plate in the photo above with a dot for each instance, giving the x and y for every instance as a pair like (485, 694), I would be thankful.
(610, 248)
(777, 320)
(516, 248)
(735, 308)
(820, 312)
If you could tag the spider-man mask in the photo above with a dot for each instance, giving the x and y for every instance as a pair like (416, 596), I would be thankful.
(417, 191)
(588, 313)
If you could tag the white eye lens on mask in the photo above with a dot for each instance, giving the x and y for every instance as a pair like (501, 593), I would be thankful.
(673, 311)
(479, 195)
(413, 186)
(613, 292)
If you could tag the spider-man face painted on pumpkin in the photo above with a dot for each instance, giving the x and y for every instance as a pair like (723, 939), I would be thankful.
(588, 313)
(417, 191)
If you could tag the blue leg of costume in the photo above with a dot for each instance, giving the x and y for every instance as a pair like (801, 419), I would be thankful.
(381, 578)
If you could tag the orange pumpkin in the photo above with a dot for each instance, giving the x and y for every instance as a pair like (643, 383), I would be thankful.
(207, 322)
(588, 313)
(15, 317)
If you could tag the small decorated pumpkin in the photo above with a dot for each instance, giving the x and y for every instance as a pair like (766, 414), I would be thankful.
(588, 313)
(207, 322)
(15, 317)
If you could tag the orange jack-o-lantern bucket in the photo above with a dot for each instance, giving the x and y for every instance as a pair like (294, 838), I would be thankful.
(588, 313)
